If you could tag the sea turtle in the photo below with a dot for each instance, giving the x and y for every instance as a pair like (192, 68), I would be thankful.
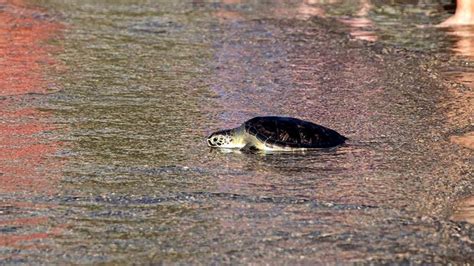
(276, 133)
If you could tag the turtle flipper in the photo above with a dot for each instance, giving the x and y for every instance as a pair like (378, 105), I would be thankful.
(249, 147)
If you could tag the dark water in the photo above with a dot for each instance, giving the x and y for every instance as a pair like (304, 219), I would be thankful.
(105, 107)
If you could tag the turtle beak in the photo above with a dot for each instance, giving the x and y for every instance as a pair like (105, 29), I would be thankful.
(209, 142)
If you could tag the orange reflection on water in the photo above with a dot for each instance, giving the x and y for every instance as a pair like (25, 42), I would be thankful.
(26, 165)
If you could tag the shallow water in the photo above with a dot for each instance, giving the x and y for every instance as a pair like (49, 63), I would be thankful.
(103, 146)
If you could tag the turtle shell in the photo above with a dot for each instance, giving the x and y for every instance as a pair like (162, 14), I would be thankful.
(292, 132)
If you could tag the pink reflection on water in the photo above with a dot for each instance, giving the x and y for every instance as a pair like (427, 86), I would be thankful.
(360, 24)
(26, 165)
(304, 10)
(461, 107)
(464, 210)
(223, 14)
(307, 9)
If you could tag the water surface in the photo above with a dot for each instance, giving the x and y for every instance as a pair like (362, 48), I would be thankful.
(118, 170)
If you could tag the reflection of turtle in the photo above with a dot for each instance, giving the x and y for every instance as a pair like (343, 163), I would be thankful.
(274, 133)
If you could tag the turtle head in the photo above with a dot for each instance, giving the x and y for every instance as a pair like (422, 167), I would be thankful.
(222, 139)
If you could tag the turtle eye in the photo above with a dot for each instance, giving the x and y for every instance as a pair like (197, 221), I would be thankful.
(214, 139)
